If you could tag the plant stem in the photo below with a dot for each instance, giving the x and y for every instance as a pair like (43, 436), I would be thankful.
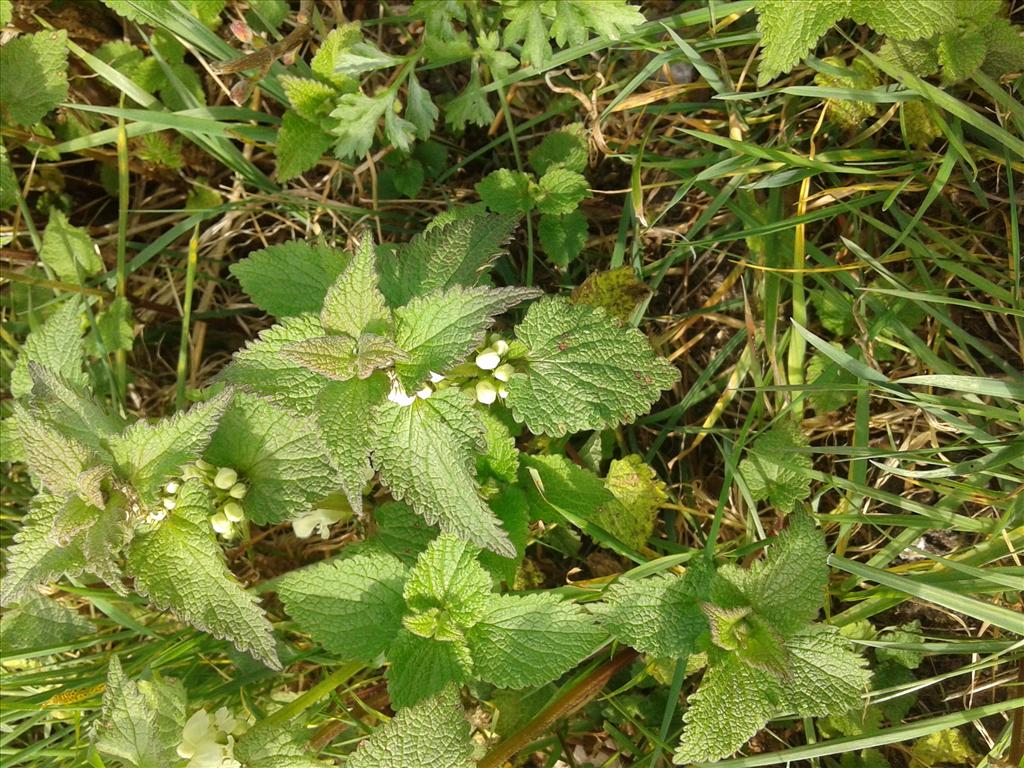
(313, 695)
(120, 357)
(569, 702)
(186, 319)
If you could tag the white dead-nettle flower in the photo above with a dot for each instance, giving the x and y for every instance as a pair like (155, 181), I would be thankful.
(486, 392)
(221, 525)
(209, 742)
(488, 360)
(225, 478)
(317, 519)
(398, 395)
(503, 372)
(435, 377)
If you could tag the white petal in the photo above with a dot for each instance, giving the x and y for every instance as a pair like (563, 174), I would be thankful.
(196, 728)
(486, 392)
(303, 526)
(488, 360)
(225, 478)
(424, 393)
(435, 377)
(221, 524)
(504, 372)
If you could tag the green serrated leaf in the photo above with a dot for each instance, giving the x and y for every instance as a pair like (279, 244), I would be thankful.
(1005, 48)
(824, 676)
(402, 532)
(555, 485)
(68, 250)
(149, 455)
(566, 147)
(324, 63)
(560, 191)
(572, 19)
(341, 357)
(787, 587)
(432, 734)
(354, 304)
(790, 29)
(961, 54)
(640, 494)
(263, 368)
(563, 237)
(179, 566)
(10, 190)
(311, 99)
(426, 454)
(906, 634)
(582, 371)
(68, 409)
(659, 616)
(916, 19)
(141, 722)
(356, 117)
(35, 76)
(439, 330)
(420, 109)
(33, 559)
(919, 57)
(292, 278)
(470, 106)
(530, 640)
(448, 577)
(57, 346)
(501, 459)
(52, 457)
(733, 703)
(526, 23)
(421, 667)
(772, 467)
(505, 191)
(41, 622)
(344, 411)
(300, 146)
(268, 745)
(115, 328)
(352, 607)
(459, 250)
(280, 457)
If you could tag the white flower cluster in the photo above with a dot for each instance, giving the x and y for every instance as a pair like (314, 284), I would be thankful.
(209, 742)
(228, 492)
(492, 360)
(398, 395)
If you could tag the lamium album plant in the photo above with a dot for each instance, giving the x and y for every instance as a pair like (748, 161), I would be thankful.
(402, 391)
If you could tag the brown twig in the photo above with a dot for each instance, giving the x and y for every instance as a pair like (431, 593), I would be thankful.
(265, 57)
(572, 700)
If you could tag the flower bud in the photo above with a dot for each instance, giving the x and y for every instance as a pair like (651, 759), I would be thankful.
(238, 491)
(436, 377)
(169, 504)
(486, 392)
(502, 391)
(233, 511)
(221, 524)
(488, 360)
(500, 346)
(172, 487)
(424, 393)
(504, 372)
(204, 465)
(191, 472)
(225, 478)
